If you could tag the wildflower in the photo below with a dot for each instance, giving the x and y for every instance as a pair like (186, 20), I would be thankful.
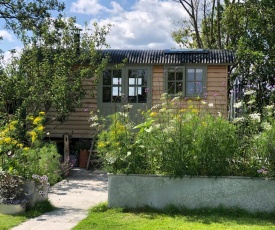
(33, 135)
(128, 106)
(26, 148)
(94, 125)
(203, 102)
(41, 113)
(238, 119)
(238, 105)
(269, 107)
(37, 120)
(255, 117)
(40, 128)
(176, 99)
(249, 92)
(153, 114)
(219, 114)
(266, 125)
(211, 105)
(7, 140)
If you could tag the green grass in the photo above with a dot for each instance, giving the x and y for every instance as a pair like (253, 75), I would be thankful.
(9, 221)
(101, 217)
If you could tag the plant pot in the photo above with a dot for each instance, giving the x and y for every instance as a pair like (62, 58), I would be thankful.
(12, 208)
(31, 193)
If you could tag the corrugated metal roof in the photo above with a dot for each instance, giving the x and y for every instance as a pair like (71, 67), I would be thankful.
(171, 56)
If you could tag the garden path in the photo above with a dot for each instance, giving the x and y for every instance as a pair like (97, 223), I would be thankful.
(72, 198)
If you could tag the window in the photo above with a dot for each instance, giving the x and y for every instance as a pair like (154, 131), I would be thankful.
(111, 86)
(137, 85)
(187, 81)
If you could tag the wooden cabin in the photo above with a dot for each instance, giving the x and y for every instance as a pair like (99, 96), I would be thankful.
(146, 75)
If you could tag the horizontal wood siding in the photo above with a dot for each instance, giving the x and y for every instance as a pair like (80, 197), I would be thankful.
(77, 124)
(217, 87)
(157, 83)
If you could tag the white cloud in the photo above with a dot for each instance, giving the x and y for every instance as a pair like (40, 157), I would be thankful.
(6, 35)
(8, 55)
(87, 7)
(147, 25)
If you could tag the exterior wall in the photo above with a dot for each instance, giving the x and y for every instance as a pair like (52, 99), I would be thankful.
(216, 87)
(132, 191)
(77, 125)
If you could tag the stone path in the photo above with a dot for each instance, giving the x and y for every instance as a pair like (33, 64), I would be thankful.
(72, 198)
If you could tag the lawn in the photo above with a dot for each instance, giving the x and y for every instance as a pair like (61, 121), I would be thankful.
(101, 217)
(9, 221)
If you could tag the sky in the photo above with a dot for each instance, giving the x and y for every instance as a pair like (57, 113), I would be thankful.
(137, 24)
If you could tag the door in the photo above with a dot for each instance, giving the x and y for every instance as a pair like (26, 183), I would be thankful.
(119, 88)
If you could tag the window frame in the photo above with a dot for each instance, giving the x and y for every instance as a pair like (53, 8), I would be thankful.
(185, 69)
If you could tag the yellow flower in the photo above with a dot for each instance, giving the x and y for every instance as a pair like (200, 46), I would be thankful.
(26, 148)
(152, 114)
(33, 135)
(101, 144)
(182, 110)
(195, 111)
(20, 146)
(41, 113)
(40, 128)
(37, 120)
(7, 140)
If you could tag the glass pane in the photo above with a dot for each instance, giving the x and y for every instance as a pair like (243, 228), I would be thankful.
(117, 73)
(132, 81)
(199, 88)
(106, 94)
(116, 81)
(179, 87)
(116, 91)
(131, 91)
(107, 77)
(191, 75)
(179, 76)
(171, 88)
(190, 88)
(139, 81)
(171, 76)
(198, 74)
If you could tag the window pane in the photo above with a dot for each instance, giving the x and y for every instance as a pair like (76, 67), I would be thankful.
(171, 76)
(116, 81)
(179, 76)
(179, 87)
(171, 88)
(132, 81)
(106, 94)
(198, 74)
(199, 88)
(191, 75)
(139, 81)
(190, 88)
(116, 91)
(131, 91)
(107, 79)
(117, 73)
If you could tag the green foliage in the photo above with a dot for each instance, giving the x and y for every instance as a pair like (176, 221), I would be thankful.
(171, 141)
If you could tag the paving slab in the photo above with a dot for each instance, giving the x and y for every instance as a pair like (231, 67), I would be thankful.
(72, 197)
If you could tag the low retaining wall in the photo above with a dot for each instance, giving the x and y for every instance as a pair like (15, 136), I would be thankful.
(132, 191)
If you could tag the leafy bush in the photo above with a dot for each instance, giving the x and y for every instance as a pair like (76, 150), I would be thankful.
(171, 141)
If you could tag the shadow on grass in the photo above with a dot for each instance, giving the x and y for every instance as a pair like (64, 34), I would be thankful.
(203, 215)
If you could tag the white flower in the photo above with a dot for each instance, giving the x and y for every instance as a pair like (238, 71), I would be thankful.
(269, 107)
(203, 102)
(238, 119)
(249, 92)
(266, 125)
(238, 105)
(211, 105)
(176, 99)
(128, 106)
(219, 114)
(255, 117)
(251, 102)
(94, 125)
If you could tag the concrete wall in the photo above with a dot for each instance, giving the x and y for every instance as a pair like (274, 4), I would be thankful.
(158, 191)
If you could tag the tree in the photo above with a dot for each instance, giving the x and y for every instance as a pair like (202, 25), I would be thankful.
(51, 70)
(251, 28)
(203, 27)
(29, 14)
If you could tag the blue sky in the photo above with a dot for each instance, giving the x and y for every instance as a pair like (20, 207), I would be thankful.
(138, 24)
